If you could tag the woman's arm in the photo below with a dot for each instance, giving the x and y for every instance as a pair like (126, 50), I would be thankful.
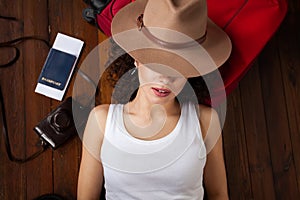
(215, 180)
(90, 177)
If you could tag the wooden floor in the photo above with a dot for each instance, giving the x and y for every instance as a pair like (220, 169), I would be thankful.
(261, 132)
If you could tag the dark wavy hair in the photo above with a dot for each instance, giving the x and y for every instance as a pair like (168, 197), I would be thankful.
(122, 76)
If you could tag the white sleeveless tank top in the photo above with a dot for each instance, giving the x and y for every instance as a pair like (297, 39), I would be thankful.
(164, 169)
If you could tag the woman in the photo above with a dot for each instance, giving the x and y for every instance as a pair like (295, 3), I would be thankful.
(152, 147)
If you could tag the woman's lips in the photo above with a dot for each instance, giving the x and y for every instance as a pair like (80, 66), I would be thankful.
(161, 92)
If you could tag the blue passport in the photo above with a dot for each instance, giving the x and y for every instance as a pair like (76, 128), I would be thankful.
(57, 69)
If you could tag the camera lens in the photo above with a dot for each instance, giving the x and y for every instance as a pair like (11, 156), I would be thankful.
(61, 120)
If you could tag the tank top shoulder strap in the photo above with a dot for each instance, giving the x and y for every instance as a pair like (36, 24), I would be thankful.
(193, 116)
(113, 117)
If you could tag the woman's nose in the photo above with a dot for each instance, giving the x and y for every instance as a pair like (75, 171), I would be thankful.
(165, 79)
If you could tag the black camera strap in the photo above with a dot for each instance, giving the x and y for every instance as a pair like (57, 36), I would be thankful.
(6, 138)
(13, 44)
(3, 122)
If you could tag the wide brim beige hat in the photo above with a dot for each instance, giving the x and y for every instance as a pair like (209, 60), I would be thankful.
(174, 34)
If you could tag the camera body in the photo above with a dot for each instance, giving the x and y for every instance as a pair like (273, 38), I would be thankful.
(58, 126)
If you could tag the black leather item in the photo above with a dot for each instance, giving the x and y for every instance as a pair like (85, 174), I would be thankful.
(57, 69)
(49, 197)
(10, 155)
(58, 126)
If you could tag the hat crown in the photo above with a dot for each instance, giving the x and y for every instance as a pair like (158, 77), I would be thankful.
(185, 16)
(174, 33)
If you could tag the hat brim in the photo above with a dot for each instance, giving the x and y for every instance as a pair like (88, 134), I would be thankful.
(190, 62)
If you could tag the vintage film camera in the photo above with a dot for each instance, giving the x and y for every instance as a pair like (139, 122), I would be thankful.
(59, 126)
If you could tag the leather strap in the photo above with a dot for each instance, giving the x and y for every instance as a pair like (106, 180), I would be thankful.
(165, 44)
(13, 44)
(6, 138)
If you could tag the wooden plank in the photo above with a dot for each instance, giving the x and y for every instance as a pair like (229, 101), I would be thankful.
(282, 156)
(241, 145)
(64, 178)
(235, 150)
(288, 40)
(12, 175)
(66, 17)
(256, 136)
(39, 171)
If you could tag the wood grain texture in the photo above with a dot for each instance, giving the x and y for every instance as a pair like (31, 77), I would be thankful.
(261, 133)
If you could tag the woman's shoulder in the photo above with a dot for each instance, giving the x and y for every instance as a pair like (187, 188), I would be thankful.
(95, 130)
(208, 116)
(101, 109)
(100, 114)
(206, 112)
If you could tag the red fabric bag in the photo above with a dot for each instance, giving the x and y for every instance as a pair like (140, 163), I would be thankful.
(249, 23)
(104, 18)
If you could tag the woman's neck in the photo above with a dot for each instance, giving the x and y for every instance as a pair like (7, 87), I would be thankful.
(143, 107)
(146, 120)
